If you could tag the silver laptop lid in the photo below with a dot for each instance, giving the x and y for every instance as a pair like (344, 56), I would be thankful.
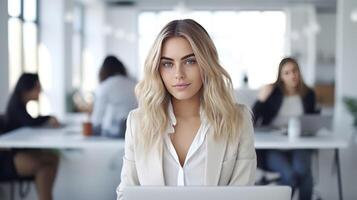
(208, 193)
(311, 124)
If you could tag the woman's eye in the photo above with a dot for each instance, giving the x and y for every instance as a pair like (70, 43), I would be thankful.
(190, 61)
(166, 64)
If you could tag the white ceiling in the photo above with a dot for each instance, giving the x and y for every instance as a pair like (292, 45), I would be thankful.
(321, 5)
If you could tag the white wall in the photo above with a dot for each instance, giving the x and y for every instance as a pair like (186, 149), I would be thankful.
(346, 86)
(52, 39)
(4, 56)
(303, 40)
(122, 40)
(346, 60)
(326, 37)
(94, 41)
(326, 48)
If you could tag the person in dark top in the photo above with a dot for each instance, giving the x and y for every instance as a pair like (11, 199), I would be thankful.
(41, 164)
(287, 97)
(27, 88)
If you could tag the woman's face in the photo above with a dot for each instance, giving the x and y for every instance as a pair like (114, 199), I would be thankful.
(34, 94)
(179, 69)
(290, 75)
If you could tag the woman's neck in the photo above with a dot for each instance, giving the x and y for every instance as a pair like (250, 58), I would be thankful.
(291, 91)
(186, 108)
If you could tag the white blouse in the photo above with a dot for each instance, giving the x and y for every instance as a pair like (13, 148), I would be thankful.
(193, 170)
(114, 98)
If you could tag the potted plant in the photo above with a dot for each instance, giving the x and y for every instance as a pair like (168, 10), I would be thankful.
(351, 105)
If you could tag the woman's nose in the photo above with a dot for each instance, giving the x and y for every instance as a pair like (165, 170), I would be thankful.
(178, 73)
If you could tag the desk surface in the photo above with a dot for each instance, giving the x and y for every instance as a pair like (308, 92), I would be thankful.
(71, 137)
(67, 137)
(323, 140)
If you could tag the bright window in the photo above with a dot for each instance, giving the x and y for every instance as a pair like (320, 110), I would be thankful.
(23, 43)
(248, 42)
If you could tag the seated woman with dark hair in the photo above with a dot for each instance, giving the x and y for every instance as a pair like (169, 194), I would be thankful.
(38, 163)
(114, 98)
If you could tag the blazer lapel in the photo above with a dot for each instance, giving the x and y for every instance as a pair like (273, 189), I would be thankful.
(152, 165)
(216, 148)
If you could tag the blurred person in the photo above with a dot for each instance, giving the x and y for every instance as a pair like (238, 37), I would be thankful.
(288, 97)
(41, 164)
(114, 98)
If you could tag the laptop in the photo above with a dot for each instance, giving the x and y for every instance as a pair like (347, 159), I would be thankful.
(207, 193)
(270, 130)
(311, 124)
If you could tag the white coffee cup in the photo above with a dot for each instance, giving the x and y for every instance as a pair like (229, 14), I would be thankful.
(294, 128)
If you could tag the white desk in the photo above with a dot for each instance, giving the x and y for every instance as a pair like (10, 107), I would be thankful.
(61, 138)
(70, 137)
(323, 140)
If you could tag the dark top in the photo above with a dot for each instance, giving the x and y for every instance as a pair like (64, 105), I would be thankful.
(2, 124)
(17, 117)
(267, 111)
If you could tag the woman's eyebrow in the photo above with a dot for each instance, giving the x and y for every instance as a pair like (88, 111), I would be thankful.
(187, 56)
(183, 58)
(166, 58)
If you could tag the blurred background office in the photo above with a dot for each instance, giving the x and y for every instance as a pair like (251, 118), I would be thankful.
(66, 41)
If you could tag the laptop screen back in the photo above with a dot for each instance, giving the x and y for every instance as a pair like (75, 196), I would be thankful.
(208, 193)
(311, 124)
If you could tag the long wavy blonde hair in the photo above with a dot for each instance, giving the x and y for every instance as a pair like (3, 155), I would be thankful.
(217, 98)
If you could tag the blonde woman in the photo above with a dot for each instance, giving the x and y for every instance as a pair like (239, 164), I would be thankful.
(187, 129)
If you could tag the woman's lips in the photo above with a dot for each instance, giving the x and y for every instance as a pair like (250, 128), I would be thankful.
(182, 86)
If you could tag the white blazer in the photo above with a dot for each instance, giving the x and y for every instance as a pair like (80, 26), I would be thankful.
(227, 163)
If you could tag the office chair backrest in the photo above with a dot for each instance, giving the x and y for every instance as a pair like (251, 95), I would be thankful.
(2, 124)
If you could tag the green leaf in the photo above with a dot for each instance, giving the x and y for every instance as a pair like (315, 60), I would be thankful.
(351, 105)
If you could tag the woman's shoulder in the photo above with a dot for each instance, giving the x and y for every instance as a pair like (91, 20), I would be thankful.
(310, 91)
(134, 119)
(244, 122)
(309, 95)
(244, 115)
(243, 109)
(134, 115)
(246, 110)
(132, 123)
